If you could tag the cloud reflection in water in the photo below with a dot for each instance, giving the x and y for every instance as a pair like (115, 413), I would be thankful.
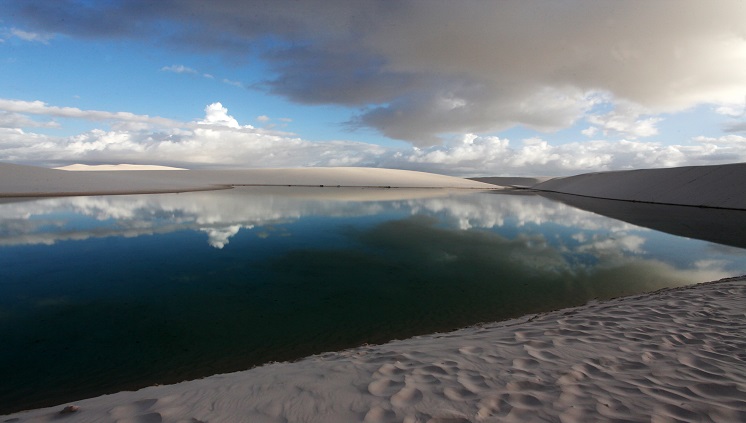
(578, 238)
(131, 278)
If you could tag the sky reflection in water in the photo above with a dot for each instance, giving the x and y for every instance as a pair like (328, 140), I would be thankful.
(100, 294)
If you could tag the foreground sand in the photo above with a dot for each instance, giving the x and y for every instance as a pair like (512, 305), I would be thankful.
(674, 355)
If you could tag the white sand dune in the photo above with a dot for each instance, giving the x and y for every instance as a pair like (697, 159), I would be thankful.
(674, 355)
(124, 166)
(511, 181)
(719, 186)
(30, 181)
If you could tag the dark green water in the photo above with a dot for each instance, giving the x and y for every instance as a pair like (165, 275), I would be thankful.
(102, 294)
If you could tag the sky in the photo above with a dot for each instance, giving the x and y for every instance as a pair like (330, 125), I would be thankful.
(468, 88)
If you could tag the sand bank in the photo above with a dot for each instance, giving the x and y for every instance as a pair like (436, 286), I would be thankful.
(513, 182)
(30, 181)
(718, 186)
(123, 166)
(673, 354)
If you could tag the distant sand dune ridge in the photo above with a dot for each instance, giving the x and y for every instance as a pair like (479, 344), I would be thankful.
(30, 181)
(721, 186)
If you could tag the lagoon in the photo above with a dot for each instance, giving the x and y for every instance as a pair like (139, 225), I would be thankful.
(104, 293)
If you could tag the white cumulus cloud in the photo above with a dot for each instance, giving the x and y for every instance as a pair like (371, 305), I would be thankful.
(216, 114)
(219, 140)
(628, 120)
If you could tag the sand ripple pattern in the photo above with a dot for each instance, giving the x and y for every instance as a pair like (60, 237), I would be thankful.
(676, 355)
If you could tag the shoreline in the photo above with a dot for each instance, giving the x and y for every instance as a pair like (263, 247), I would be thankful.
(672, 353)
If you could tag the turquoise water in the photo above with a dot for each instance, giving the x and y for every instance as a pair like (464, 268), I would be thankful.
(102, 294)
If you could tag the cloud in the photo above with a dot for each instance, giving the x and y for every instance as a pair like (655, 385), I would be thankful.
(732, 110)
(221, 215)
(736, 127)
(191, 71)
(625, 120)
(546, 235)
(475, 155)
(31, 36)
(216, 140)
(41, 108)
(216, 114)
(238, 84)
(219, 140)
(178, 69)
(17, 120)
(220, 237)
(418, 71)
(729, 140)
(737, 113)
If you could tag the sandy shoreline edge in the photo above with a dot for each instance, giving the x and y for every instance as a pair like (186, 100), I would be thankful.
(672, 354)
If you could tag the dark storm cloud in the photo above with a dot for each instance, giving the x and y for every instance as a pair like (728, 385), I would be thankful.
(419, 69)
(315, 76)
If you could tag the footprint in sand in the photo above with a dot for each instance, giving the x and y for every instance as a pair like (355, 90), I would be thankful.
(384, 387)
(379, 414)
(493, 408)
(407, 397)
(389, 369)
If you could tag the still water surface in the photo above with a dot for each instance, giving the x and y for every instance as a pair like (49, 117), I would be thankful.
(102, 294)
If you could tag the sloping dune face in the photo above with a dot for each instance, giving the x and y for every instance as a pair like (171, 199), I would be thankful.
(31, 181)
(26, 181)
(83, 167)
(720, 186)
